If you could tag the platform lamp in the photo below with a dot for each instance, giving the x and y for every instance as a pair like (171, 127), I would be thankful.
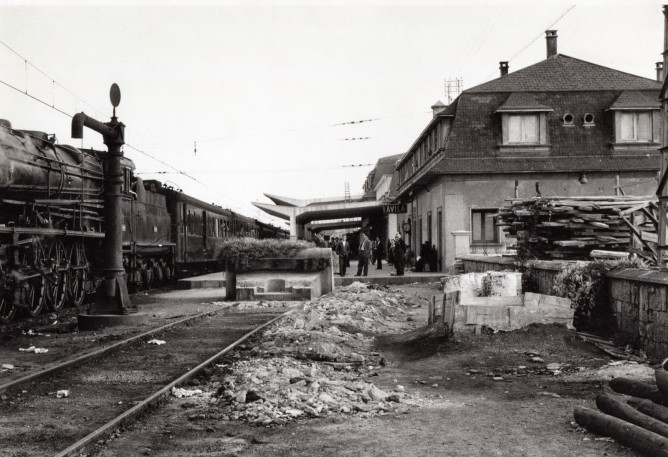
(112, 294)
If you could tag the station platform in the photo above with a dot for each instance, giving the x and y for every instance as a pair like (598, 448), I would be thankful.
(384, 276)
(375, 276)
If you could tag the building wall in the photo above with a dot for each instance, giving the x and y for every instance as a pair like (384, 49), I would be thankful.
(458, 195)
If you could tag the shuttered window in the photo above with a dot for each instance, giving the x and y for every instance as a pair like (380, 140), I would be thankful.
(636, 126)
(523, 128)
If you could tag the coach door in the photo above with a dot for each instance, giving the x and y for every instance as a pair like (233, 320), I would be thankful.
(204, 233)
(184, 234)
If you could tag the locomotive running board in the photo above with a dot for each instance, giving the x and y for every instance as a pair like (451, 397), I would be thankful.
(50, 232)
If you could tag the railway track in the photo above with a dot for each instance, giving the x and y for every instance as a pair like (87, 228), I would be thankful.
(115, 387)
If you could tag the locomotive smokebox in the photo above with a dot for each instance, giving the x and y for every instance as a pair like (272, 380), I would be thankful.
(112, 295)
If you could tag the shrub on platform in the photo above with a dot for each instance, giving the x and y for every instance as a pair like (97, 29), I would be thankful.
(241, 250)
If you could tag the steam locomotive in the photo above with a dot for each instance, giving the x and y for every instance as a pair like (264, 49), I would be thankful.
(52, 225)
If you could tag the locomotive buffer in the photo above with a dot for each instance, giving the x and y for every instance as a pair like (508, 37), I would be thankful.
(112, 295)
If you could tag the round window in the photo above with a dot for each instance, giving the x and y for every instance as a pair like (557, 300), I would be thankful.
(589, 118)
(568, 118)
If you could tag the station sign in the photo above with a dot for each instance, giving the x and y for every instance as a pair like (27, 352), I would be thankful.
(395, 209)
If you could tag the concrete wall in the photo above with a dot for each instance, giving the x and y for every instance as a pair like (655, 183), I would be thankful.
(639, 299)
(458, 195)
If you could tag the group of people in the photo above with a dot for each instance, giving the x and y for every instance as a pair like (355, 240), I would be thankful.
(370, 251)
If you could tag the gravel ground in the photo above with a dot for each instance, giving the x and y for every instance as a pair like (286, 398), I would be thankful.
(471, 395)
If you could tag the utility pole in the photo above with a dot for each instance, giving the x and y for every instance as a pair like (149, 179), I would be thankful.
(452, 88)
(662, 189)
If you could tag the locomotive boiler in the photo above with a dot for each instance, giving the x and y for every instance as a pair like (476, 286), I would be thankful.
(52, 226)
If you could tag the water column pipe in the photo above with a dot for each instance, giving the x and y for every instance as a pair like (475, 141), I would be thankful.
(112, 295)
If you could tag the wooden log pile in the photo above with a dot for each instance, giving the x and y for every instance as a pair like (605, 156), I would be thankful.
(641, 423)
(572, 228)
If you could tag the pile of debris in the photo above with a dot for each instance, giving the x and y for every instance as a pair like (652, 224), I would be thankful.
(573, 227)
(317, 360)
(641, 423)
(276, 391)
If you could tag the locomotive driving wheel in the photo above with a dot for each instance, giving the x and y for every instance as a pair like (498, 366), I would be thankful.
(32, 296)
(55, 279)
(77, 274)
(7, 309)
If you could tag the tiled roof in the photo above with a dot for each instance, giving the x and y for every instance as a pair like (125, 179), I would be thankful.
(634, 99)
(476, 130)
(564, 85)
(384, 166)
(548, 164)
(564, 73)
(521, 101)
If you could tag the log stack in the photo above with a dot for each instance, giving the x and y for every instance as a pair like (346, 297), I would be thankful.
(641, 423)
(570, 228)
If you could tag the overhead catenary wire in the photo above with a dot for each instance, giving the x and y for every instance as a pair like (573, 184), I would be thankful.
(570, 8)
(180, 172)
(269, 170)
(55, 83)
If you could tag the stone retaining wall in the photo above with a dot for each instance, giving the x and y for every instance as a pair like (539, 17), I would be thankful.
(640, 307)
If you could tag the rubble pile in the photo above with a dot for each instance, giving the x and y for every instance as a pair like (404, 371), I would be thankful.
(276, 391)
(573, 227)
(315, 361)
(335, 327)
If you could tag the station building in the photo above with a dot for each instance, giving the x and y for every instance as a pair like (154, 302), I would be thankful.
(372, 211)
(561, 127)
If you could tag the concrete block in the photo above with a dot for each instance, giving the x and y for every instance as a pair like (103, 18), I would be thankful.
(493, 301)
(245, 293)
(491, 316)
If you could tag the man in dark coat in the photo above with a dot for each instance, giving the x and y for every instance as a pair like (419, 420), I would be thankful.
(399, 252)
(378, 253)
(364, 255)
(343, 250)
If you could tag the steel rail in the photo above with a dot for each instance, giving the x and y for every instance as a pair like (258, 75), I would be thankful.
(105, 350)
(132, 413)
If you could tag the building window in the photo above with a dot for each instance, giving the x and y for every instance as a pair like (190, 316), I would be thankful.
(523, 128)
(588, 120)
(483, 227)
(429, 238)
(636, 127)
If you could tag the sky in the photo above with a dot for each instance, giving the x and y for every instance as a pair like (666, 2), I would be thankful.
(230, 100)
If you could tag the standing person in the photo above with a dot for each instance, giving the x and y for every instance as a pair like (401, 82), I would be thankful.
(390, 251)
(343, 250)
(379, 253)
(364, 255)
(374, 251)
(399, 252)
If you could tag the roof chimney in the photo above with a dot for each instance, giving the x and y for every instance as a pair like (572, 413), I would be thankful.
(659, 71)
(503, 68)
(551, 38)
(437, 107)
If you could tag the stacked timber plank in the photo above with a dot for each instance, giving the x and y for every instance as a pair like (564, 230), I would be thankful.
(572, 227)
(640, 423)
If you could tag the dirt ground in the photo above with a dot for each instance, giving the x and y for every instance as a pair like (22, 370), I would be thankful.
(476, 395)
